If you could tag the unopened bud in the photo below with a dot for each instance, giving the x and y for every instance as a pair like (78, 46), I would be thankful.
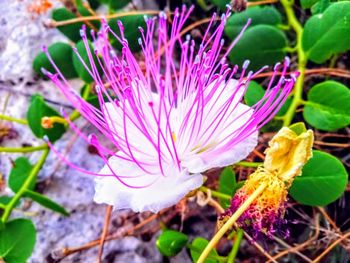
(46, 122)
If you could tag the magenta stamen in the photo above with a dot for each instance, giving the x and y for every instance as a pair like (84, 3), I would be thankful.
(169, 110)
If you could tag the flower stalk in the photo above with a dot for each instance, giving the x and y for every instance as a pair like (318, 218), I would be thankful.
(12, 119)
(302, 61)
(231, 221)
(24, 149)
(33, 173)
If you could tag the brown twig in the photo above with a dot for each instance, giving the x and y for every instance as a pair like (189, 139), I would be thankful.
(266, 2)
(54, 23)
(104, 232)
(328, 249)
(119, 234)
(332, 144)
(259, 248)
(292, 249)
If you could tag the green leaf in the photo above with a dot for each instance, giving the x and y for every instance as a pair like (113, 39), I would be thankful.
(85, 12)
(255, 93)
(171, 242)
(327, 34)
(220, 3)
(79, 66)
(19, 173)
(272, 126)
(118, 4)
(262, 45)
(17, 240)
(197, 247)
(46, 202)
(298, 128)
(59, 52)
(132, 34)
(5, 199)
(227, 185)
(308, 3)
(320, 6)
(94, 4)
(39, 109)
(267, 15)
(328, 106)
(72, 31)
(323, 180)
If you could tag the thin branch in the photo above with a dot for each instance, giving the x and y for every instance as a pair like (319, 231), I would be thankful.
(104, 232)
(347, 235)
(54, 23)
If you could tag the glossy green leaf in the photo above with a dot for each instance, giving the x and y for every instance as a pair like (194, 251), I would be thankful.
(262, 45)
(267, 15)
(79, 66)
(132, 33)
(328, 106)
(94, 4)
(72, 31)
(220, 3)
(118, 4)
(323, 180)
(59, 53)
(197, 247)
(17, 240)
(327, 34)
(93, 23)
(320, 7)
(37, 110)
(46, 202)
(171, 242)
(5, 199)
(255, 93)
(19, 173)
(308, 3)
(272, 126)
(227, 185)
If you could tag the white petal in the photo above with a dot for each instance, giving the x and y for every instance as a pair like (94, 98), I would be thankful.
(201, 157)
(164, 192)
(201, 163)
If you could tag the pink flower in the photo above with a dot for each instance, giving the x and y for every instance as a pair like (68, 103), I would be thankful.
(174, 120)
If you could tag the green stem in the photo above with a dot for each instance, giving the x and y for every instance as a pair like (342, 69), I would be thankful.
(283, 27)
(249, 164)
(212, 257)
(24, 149)
(302, 61)
(8, 118)
(236, 243)
(231, 221)
(290, 49)
(33, 173)
(215, 193)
